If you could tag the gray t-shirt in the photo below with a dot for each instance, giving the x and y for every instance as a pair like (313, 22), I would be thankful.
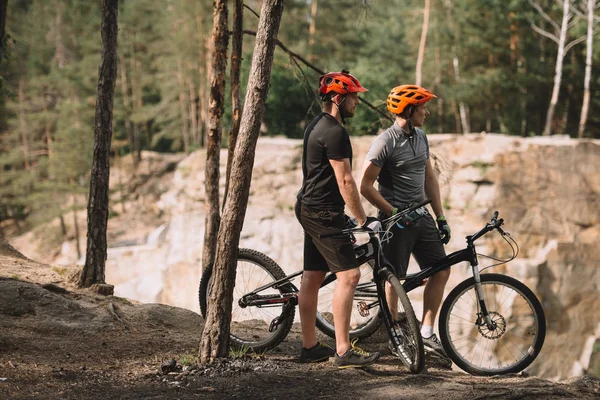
(402, 160)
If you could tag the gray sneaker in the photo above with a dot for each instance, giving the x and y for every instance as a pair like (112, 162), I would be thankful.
(355, 357)
(434, 344)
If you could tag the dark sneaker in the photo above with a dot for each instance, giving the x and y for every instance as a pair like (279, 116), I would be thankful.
(317, 353)
(434, 344)
(355, 357)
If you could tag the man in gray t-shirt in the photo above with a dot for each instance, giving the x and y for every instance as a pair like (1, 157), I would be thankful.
(399, 160)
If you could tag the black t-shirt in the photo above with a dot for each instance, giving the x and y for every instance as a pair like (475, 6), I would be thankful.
(324, 139)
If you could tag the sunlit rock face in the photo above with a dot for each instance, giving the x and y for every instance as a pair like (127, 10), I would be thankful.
(546, 189)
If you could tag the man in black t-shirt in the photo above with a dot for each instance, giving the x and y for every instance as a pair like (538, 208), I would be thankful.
(327, 186)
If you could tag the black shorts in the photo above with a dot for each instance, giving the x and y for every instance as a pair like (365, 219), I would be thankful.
(333, 254)
(422, 239)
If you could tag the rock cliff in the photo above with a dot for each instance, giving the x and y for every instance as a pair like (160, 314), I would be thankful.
(546, 189)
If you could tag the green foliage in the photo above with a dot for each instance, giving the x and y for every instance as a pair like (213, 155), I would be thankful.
(49, 78)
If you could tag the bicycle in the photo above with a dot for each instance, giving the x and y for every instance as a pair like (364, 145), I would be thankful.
(480, 317)
(265, 299)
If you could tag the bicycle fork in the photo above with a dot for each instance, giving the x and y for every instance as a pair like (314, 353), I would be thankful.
(484, 315)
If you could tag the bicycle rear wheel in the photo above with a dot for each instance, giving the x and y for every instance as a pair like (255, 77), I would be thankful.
(403, 328)
(518, 316)
(250, 325)
(364, 319)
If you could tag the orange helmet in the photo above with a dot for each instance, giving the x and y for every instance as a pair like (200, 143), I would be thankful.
(403, 95)
(340, 83)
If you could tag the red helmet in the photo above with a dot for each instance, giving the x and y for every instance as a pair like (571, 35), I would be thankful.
(340, 83)
(401, 96)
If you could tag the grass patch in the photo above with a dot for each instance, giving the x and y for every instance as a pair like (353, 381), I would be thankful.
(60, 270)
(188, 360)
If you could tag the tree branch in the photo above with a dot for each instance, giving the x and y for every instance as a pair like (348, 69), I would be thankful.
(251, 10)
(311, 66)
(544, 15)
(543, 32)
(575, 42)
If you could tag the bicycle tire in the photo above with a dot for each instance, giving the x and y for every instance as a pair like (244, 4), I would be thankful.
(518, 314)
(363, 322)
(253, 334)
(403, 330)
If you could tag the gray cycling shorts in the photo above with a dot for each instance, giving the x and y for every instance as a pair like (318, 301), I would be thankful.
(421, 238)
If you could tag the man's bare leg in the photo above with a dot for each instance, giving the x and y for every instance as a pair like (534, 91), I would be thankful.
(342, 307)
(307, 305)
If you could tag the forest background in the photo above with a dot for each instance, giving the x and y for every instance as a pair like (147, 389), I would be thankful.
(493, 64)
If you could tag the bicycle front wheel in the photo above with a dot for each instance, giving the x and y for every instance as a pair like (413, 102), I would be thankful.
(253, 327)
(401, 323)
(517, 318)
(364, 318)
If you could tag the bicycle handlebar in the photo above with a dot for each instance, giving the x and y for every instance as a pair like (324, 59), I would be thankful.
(495, 223)
(363, 229)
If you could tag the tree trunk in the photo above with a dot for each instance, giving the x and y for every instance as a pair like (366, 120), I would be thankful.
(22, 125)
(236, 105)
(312, 29)
(60, 52)
(136, 150)
(213, 141)
(3, 8)
(421, 54)
(588, 69)
(215, 337)
(182, 106)
(76, 226)
(560, 55)
(95, 258)
(464, 122)
(127, 104)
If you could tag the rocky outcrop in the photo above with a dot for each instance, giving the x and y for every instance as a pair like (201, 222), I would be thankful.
(546, 189)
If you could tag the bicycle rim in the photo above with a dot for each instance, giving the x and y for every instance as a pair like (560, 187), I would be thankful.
(364, 318)
(520, 326)
(250, 325)
(402, 326)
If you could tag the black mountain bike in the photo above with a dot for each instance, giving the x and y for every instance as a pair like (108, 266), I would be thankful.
(489, 324)
(264, 302)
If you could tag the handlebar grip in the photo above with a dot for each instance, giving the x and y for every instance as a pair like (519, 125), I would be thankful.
(495, 217)
(499, 223)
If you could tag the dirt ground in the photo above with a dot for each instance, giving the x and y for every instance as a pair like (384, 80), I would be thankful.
(58, 342)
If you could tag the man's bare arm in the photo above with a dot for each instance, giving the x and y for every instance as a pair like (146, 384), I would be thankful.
(432, 190)
(367, 188)
(348, 189)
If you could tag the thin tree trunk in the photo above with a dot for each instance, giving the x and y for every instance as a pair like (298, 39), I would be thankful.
(588, 68)
(421, 53)
(464, 122)
(3, 8)
(127, 103)
(560, 55)
(136, 150)
(182, 105)
(439, 103)
(312, 29)
(120, 178)
(236, 104)
(76, 225)
(63, 226)
(215, 337)
(60, 53)
(22, 125)
(95, 258)
(212, 215)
